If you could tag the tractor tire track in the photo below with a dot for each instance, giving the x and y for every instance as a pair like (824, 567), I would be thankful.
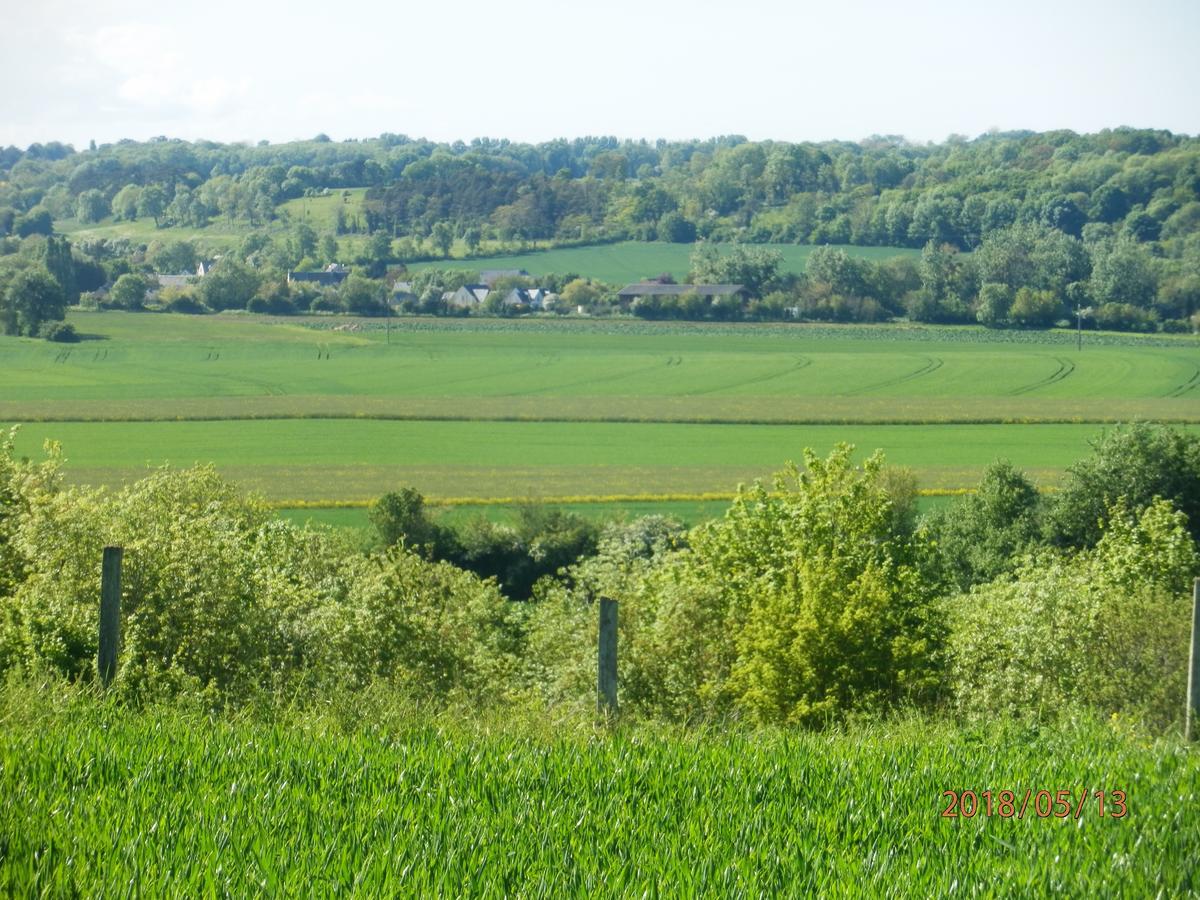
(801, 363)
(1189, 385)
(1065, 368)
(932, 364)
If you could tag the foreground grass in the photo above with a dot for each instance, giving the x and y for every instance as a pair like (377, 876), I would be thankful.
(104, 802)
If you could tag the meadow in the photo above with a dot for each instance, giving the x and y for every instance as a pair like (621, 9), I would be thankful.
(371, 801)
(327, 409)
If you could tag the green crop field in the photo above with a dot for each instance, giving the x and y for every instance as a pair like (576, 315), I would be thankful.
(356, 459)
(637, 260)
(97, 800)
(326, 409)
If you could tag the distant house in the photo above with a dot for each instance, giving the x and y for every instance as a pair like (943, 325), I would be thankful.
(331, 276)
(490, 276)
(175, 281)
(632, 292)
(205, 267)
(534, 298)
(469, 295)
(402, 292)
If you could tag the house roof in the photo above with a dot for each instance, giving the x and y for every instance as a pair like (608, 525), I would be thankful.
(173, 280)
(654, 289)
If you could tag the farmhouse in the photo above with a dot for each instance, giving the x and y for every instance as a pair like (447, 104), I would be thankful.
(332, 276)
(468, 295)
(632, 292)
(533, 298)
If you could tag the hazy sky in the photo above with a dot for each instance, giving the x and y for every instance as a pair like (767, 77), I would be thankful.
(531, 70)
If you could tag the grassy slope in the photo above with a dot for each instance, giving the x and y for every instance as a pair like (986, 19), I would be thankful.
(636, 260)
(100, 803)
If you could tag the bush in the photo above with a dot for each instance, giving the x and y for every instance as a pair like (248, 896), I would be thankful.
(1124, 317)
(985, 534)
(802, 606)
(186, 303)
(59, 332)
(1138, 462)
(222, 600)
(1105, 628)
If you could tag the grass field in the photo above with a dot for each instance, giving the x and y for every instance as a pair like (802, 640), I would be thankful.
(339, 409)
(353, 459)
(637, 260)
(100, 802)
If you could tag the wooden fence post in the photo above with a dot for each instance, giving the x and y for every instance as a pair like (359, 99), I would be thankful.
(110, 614)
(1191, 729)
(606, 687)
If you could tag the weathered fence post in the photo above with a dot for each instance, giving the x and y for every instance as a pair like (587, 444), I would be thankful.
(606, 686)
(110, 614)
(1192, 722)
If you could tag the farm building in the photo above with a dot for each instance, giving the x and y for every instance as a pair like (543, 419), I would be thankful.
(331, 276)
(468, 295)
(534, 298)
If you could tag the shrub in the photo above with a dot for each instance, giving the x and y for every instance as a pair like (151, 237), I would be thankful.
(1138, 462)
(802, 605)
(1104, 628)
(984, 534)
(59, 332)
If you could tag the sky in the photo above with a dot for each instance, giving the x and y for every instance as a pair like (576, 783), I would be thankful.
(534, 70)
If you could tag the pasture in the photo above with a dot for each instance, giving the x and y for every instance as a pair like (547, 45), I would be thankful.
(334, 409)
(628, 261)
(97, 799)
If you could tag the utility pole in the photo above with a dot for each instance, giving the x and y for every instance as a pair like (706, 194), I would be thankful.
(1079, 328)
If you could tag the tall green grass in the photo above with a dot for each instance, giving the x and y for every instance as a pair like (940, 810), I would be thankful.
(104, 802)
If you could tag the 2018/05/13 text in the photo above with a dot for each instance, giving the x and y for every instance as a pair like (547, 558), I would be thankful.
(1060, 804)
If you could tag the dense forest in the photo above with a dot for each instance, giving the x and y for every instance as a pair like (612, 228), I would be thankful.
(1017, 228)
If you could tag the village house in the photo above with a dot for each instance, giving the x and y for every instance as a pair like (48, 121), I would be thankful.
(469, 295)
(331, 276)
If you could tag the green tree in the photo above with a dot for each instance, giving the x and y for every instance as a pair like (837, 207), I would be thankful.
(228, 286)
(994, 303)
(363, 296)
(125, 202)
(442, 237)
(328, 249)
(1035, 308)
(401, 517)
(1137, 463)
(986, 533)
(32, 298)
(55, 254)
(36, 221)
(472, 238)
(152, 202)
(91, 206)
(130, 291)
